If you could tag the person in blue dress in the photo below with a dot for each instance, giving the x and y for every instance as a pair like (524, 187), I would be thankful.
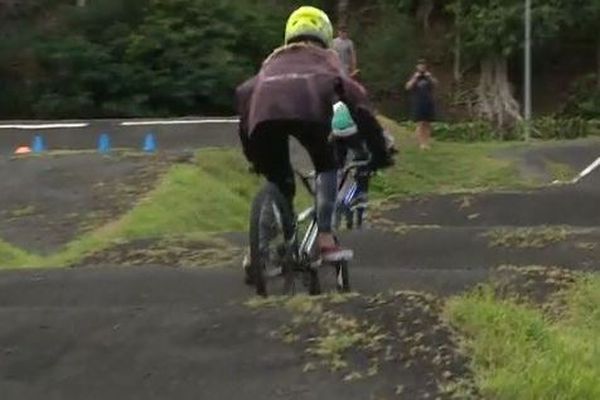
(421, 85)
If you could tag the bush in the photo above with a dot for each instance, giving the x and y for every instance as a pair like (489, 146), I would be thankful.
(584, 100)
(473, 131)
(547, 128)
(387, 51)
(544, 128)
(136, 58)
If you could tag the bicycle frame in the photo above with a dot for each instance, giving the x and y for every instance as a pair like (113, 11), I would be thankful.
(304, 250)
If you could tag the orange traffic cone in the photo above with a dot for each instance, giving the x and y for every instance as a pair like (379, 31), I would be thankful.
(21, 150)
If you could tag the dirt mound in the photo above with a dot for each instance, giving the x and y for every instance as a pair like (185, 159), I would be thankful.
(571, 205)
(47, 201)
(172, 252)
(385, 346)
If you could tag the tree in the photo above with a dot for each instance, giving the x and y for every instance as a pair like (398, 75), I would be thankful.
(189, 55)
(583, 16)
(491, 32)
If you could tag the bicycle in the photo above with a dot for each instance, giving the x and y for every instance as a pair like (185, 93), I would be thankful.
(351, 202)
(277, 254)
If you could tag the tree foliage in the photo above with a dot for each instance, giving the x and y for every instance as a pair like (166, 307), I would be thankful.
(495, 27)
(142, 57)
(176, 57)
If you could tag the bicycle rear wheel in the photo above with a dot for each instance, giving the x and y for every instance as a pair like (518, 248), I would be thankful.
(271, 231)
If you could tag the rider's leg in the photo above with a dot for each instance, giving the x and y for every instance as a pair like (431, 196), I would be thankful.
(314, 138)
(272, 146)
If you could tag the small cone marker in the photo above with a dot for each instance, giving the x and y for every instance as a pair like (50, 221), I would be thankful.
(22, 150)
(38, 145)
(104, 144)
(150, 143)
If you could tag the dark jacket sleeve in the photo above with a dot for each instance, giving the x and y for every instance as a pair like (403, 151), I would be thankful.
(242, 105)
(357, 101)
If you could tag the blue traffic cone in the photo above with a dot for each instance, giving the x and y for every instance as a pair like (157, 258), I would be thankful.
(104, 144)
(38, 145)
(150, 143)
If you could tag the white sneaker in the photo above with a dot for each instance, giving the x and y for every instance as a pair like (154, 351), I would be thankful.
(336, 254)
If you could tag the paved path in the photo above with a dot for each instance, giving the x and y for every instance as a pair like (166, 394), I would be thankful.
(162, 333)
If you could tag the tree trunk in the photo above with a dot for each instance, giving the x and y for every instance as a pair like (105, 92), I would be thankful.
(598, 63)
(342, 11)
(424, 11)
(496, 102)
(457, 46)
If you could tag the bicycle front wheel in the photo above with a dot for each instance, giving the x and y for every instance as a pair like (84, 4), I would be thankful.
(271, 231)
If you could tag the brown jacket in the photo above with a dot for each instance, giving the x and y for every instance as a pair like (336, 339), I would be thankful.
(302, 82)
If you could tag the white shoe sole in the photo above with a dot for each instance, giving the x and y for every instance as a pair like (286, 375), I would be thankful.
(343, 255)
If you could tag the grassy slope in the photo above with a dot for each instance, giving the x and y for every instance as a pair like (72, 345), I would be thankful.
(520, 354)
(447, 167)
(214, 194)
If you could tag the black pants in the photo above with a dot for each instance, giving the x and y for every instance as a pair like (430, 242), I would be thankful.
(269, 146)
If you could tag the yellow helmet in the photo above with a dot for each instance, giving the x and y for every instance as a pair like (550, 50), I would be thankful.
(309, 22)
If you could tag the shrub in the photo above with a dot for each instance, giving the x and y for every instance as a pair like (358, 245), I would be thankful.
(473, 131)
(584, 100)
(560, 128)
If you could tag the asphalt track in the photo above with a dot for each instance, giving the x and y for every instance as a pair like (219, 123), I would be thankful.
(182, 134)
(161, 333)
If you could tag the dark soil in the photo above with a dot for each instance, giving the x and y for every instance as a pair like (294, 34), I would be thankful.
(577, 154)
(47, 201)
(570, 205)
(385, 346)
(109, 332)
(537, 285)
(174, 252)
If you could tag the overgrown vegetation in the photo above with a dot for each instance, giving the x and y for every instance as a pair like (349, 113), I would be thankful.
(142, 57)
(519, 353)
(544, 128)
(160, 57)
(525, 238)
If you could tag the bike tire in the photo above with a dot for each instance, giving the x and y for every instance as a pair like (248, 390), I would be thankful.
(343, 277)
(314, 285)
(268, 196)
(360, 216)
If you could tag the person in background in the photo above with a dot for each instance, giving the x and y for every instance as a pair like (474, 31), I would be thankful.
(344, 47)
(421, 84)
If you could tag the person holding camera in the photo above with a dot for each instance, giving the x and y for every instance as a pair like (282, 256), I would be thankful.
(421, 84)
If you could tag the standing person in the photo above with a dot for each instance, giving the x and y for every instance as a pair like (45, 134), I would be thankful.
(293, 95)
(421, 84)
(344, 47)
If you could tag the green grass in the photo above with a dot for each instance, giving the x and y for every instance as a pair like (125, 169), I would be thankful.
(214, 194)
(22, 212)
(10, 255)
(209, 197)
(527, 238)
(560, 171)
(449, 167)
(520, 354)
